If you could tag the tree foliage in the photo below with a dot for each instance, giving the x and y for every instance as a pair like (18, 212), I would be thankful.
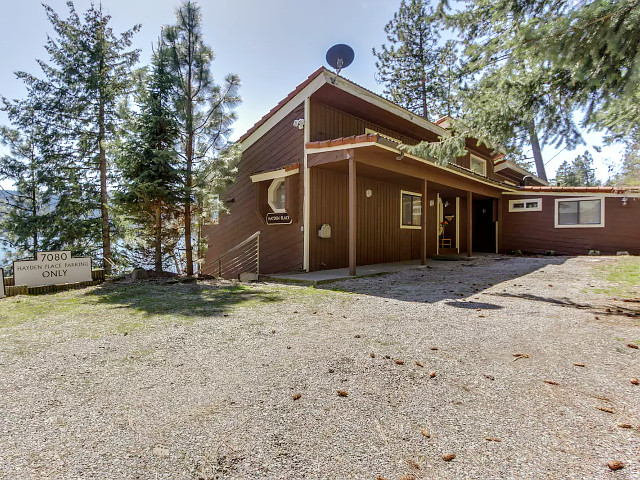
(579, 173)
(417, 72)
(205, 109)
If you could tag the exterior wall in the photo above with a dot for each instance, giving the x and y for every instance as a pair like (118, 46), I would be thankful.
(534, 231)
(281, 246)
(379, 236)
(328, 123)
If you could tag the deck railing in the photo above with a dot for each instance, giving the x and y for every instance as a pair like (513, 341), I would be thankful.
(244, 257)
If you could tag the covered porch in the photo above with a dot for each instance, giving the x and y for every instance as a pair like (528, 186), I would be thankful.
(370, 204)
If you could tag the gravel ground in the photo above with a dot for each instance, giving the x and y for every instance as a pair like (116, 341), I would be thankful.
(213, 398)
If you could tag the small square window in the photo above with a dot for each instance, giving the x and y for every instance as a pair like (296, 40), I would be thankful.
(527, 205)
(478, 165)
(410, 210)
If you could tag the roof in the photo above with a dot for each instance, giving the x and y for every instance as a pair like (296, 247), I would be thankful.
(618, 190)
(282, 103)
(320, 71)
(369, 138)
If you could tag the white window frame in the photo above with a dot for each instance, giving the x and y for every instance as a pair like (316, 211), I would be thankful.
(537, 208)
(411, 227)
(275, 183)
(484, 164)
(576, 199)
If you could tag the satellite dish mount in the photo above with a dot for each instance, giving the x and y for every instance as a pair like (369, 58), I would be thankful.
(340, 56)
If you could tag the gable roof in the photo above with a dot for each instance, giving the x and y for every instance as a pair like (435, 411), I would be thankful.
(313, 83)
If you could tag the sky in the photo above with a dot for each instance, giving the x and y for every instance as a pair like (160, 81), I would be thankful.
(273, 45)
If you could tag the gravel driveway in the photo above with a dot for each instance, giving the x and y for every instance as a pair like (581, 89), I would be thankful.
(425, 351)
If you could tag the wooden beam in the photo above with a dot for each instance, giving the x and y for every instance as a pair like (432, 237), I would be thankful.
(352, 216)
(469, 224)
(423, 237)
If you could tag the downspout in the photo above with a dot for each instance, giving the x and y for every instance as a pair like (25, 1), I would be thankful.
(306, 206)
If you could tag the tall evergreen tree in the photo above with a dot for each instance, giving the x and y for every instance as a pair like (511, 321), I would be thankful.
(579, 173)
(149, 193)
(416, 71)
(204, 108)
(88, 74)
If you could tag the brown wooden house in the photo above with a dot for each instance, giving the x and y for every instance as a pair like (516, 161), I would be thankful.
(323, 181)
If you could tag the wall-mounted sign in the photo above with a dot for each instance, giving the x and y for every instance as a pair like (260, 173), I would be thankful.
(278, 218)
(52, 268)
(2, 294)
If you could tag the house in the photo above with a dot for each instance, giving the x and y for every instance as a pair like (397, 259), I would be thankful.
(323, 181)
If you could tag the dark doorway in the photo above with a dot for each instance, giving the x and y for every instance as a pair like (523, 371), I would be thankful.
(484, 226)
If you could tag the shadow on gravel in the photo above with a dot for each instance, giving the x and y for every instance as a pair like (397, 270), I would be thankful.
(441, 280)
(189, 300)
(628, 308)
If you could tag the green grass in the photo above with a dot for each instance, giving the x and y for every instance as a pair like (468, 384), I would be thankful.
(624, 275)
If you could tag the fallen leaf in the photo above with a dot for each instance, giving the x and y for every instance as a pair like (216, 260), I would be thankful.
(551, 382)
(356, 336)
(387, 357)
(447, 457)
(295, 311)
(597, 317)
(297, 396)
(425, 433)
(579, 364)
(372, 355)
(380, 477)
(432, 374)
(288, 347)
(492, 439)
(615, 465)
(631, 345)
(490, 377)
(331, 370)
(625, 425)
(273, 331)
(407, 477)
(420, 364)
(606, 409)
(342, 393)
(413, 464)
(434, 348)
(634, 381)
(399, 362)
(520, 355)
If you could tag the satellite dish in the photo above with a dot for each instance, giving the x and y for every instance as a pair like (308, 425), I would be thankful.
(340, 56)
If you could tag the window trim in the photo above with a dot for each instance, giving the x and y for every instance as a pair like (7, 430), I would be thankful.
(579, 199)
(411, 227)
(484, 164)
(525, 209)
(275, 183)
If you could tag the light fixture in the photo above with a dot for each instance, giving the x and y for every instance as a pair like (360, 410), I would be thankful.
(369, 193)
(624, 201)
(446, 203)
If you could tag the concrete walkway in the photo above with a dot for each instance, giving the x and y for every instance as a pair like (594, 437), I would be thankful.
(326, 276)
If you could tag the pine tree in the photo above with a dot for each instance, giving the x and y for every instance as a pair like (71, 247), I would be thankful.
(629, 171)
(88, 74)
(416, 72)
(205, 109)
(150, 189)
(579, 173)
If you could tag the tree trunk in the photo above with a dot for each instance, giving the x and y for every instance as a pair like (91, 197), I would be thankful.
(158, 259)
(537, 152)
(106, 238)
(189, 155)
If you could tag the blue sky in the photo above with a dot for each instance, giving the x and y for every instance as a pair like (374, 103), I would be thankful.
(273, 45)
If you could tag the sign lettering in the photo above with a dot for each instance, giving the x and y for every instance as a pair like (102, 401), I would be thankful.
(278, 219)
(52, 268)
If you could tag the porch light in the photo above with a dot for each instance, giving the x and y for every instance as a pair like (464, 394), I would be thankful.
(624, 201)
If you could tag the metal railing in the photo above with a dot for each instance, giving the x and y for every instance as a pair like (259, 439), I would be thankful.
(244, 257)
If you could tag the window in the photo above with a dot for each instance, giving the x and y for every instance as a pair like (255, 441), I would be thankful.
(526, 205)
(478, 165)
(579, 212)
(277, 195)
(410, 210)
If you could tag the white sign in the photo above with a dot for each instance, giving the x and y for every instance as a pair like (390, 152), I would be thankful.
(52, 268)
(2, 294)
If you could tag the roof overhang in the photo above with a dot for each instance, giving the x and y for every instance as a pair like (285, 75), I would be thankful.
(516, 172)
(277, 173)
(380, 142)
(317, 80)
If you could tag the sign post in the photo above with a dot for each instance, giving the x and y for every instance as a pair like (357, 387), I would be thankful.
(2, 294)
(52, 268)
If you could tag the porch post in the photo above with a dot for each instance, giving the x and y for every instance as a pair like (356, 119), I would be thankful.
(352, 216)
(469, 223)
(423, 238)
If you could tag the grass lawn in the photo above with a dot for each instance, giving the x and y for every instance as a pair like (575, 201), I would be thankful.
(624, 276)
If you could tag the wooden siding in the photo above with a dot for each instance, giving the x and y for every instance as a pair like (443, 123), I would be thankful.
(535, 232)
(379, 236)
(281, 245)
(328, 123)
